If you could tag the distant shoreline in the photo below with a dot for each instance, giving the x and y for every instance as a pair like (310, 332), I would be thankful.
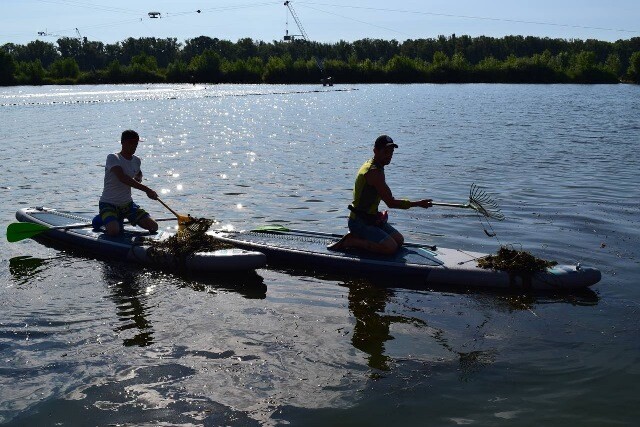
(454, 59)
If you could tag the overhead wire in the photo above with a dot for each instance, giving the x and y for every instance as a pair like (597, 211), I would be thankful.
(142, 17)
(356, 20)
(91, 6)
(306, 3)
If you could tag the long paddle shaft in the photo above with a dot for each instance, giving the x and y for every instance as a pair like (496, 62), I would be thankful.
(17, 231)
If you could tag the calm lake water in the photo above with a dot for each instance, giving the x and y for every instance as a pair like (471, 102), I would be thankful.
(94, 342)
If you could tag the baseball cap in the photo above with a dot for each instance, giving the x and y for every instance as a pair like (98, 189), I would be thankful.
(384, 141)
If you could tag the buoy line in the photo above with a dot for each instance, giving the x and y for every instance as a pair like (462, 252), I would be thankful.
(97, 101)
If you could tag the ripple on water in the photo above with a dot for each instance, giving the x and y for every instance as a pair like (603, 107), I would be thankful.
(303, 347)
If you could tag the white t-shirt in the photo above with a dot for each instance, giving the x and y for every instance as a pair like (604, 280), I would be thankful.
(114, 191)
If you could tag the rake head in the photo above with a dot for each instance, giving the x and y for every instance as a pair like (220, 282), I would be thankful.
(195, 226)
(484, 204)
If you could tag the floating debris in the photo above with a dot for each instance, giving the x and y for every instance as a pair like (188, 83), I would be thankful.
(513, 260)
(190, 238)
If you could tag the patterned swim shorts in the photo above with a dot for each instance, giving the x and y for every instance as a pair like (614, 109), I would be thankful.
(131, 211)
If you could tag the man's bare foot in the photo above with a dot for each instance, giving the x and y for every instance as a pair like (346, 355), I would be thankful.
(340, 245)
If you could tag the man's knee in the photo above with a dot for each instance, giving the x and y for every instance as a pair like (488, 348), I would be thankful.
(398, 238)
(388, 246)
(148, 224)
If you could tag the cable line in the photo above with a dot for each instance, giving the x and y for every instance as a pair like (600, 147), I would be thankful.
(357, 20)
(416, 12)
(91, 6)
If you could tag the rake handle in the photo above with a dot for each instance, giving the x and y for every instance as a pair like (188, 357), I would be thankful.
(451, 205)
(170, 210)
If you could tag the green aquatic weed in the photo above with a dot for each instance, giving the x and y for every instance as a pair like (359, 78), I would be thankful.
(508, 259)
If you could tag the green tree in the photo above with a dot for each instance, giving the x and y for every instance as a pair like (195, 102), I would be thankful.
(93, 55)
(459, 62)
(143, 69)
(243, 71)
(178, 72)
(164, 50)
(451, 59)
(64, 68)
(634, 67)
(613, 64)
(584, 61)
(206, 67)
(246, 48)
(405, 70)
(144, 62)
(275, 71)
(114, 72)
(197, 46)
(7, 68)
(44, 52)
(585, 69)
(339, 70)
(30, 72)
(440, 58)
(69, 47)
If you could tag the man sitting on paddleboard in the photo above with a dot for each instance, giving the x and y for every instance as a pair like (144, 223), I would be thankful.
(121, 172)
(369, 229)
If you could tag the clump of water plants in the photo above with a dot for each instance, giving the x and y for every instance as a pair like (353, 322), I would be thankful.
(508, 259)
(190, 238)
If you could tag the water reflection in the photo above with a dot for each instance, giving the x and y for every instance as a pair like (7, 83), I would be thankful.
(367, 303)
(23, 268)
(129, 295)
(248, 284)
(516, 301)
(368, 300)
(129, 291)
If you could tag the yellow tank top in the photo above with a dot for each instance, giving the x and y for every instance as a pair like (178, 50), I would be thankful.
(365, 197)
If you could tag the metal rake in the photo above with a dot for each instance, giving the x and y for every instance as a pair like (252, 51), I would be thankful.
(195, 226)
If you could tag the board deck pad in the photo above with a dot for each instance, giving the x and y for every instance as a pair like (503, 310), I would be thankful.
(132, 244)
(430, 264)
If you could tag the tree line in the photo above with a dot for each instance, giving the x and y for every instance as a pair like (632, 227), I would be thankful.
(459, 59)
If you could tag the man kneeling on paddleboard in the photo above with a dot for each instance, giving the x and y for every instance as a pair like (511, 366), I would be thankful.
(121, 172)
(369, 229)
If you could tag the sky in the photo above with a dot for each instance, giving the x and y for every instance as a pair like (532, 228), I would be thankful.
(326, 21)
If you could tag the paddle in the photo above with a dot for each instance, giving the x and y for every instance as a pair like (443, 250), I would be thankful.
(272, 228)
(17, 231)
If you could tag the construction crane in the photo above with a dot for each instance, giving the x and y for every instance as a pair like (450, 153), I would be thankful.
(325, 80)
(292, 37)
(47, 34)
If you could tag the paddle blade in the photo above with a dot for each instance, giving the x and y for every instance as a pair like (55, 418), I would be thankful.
(271, 228)
(17, 231)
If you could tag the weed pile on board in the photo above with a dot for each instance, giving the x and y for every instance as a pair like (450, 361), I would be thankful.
(513, 260)
(190, 239)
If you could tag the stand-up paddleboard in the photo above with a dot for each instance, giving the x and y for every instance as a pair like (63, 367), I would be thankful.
(429, 264)
(130, 245)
